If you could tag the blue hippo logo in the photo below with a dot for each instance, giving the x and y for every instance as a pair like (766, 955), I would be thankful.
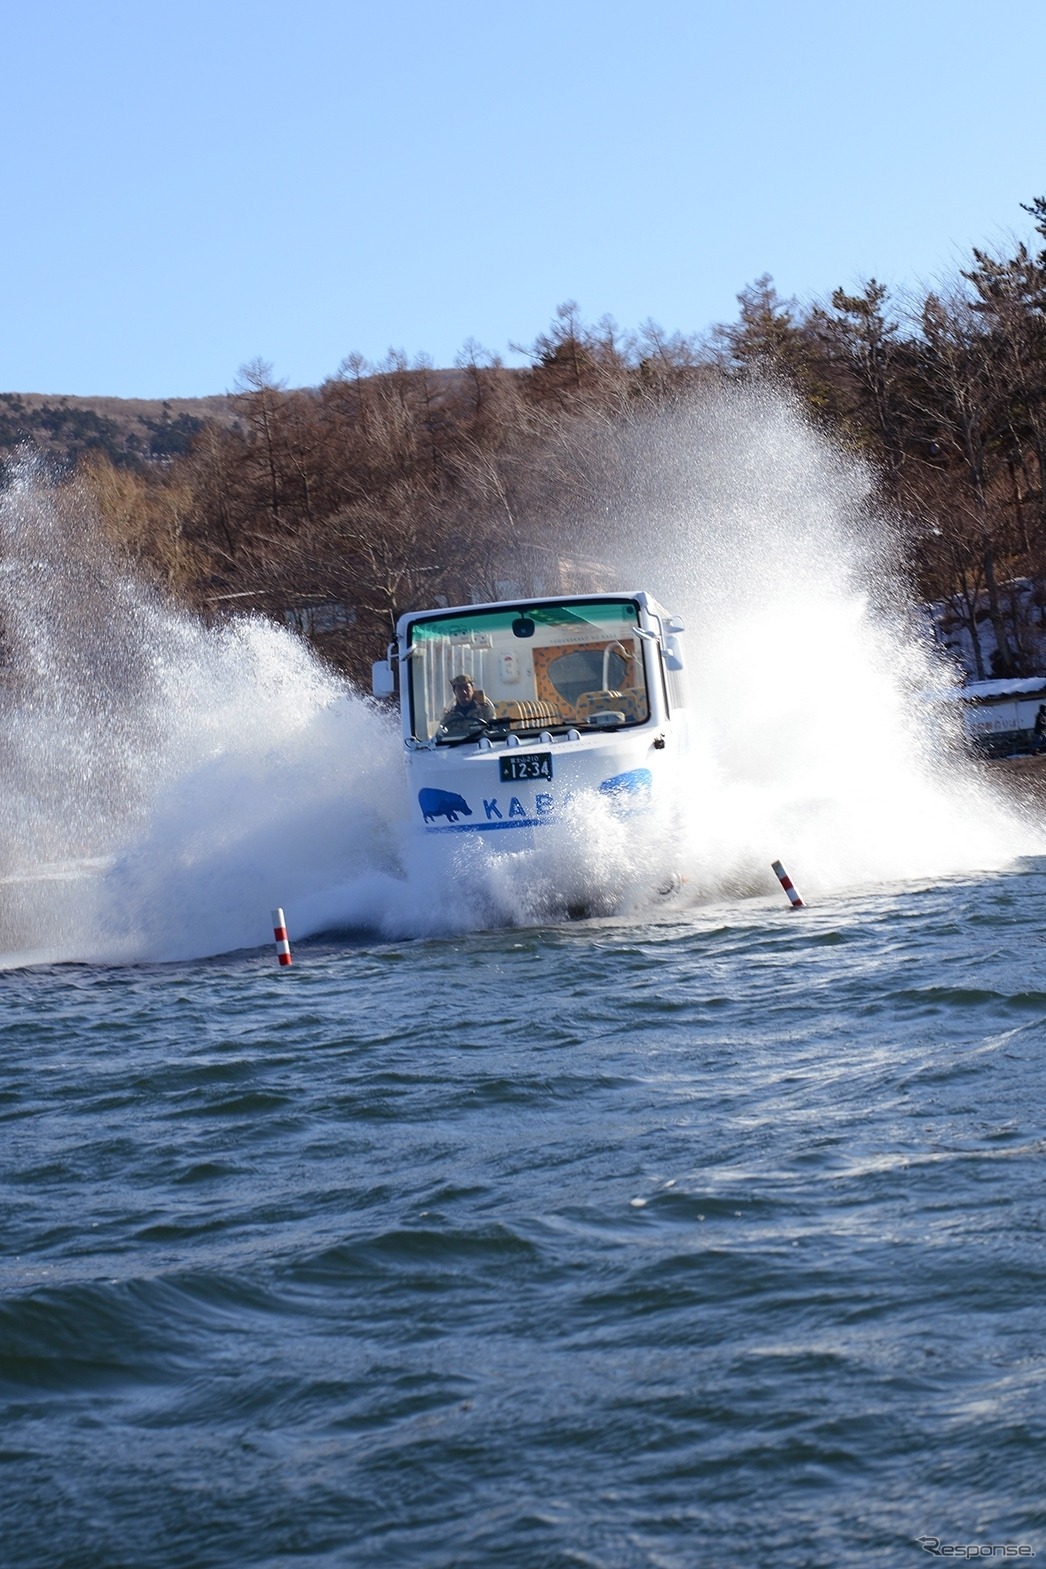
(637, 782)
(442, 803)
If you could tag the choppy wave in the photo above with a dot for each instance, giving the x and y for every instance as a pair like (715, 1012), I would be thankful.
(607, 1243)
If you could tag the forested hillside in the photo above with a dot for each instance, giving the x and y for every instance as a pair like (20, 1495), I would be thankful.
(397, 485)
(126, 431)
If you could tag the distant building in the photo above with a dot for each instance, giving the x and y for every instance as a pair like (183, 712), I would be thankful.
(967, 632)
(311, 620)
(998, 717)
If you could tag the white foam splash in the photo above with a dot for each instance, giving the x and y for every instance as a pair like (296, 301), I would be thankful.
(809, 667)
(166, 783)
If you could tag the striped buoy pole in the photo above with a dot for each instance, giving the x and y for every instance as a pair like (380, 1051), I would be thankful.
(279, 928)
(786, 883)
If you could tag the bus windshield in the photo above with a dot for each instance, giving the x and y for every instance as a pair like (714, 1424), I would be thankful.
(575, 663)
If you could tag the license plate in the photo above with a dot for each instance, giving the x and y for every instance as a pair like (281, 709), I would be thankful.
(528, 765)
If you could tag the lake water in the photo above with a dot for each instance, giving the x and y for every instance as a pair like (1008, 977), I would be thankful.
(702, 1232)
(709, 1238)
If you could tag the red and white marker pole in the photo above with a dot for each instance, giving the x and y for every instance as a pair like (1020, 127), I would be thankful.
(279, 928)
(786, 883)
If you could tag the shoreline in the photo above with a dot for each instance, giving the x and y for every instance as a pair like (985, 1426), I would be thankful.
(1022, 777)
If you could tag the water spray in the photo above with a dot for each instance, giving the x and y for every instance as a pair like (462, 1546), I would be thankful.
(157, 769)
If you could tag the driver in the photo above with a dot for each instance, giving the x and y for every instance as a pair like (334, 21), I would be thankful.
(470, 707)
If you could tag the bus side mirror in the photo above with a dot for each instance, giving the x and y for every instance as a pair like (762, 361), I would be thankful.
(382, 680)
(673, 653)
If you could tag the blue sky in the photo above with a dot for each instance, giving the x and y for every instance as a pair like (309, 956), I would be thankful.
(188, 187)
